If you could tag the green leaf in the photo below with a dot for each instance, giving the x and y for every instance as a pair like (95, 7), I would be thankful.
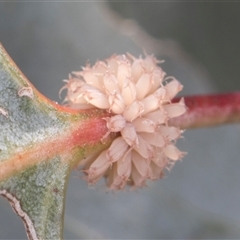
(37, 196)
(40, 142)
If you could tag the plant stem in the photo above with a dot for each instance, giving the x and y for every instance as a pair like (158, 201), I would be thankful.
(209, 110)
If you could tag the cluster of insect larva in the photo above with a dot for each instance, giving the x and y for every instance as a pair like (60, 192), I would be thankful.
(138, 94)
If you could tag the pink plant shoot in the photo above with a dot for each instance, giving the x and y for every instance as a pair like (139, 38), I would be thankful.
(138, 96)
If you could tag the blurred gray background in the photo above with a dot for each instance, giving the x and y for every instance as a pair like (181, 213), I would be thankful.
(200, 42)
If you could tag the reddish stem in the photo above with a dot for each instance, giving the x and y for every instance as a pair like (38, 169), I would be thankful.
(209, 110)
